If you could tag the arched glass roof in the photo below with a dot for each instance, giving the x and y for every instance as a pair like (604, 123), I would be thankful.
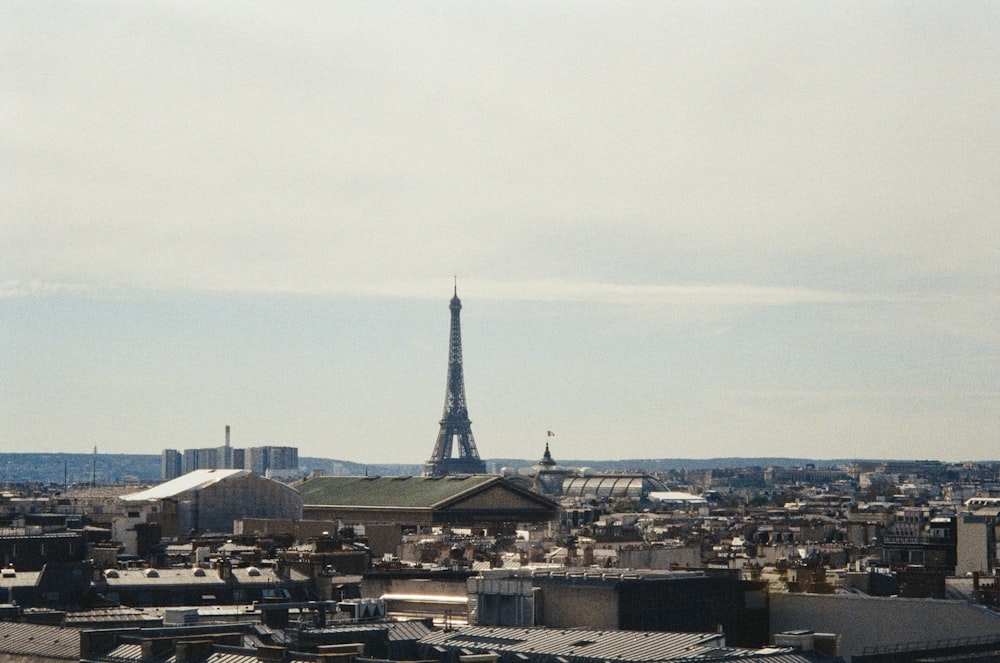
(613, 486)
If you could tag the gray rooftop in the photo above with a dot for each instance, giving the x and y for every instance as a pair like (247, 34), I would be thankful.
(35, 640)
(574, 644)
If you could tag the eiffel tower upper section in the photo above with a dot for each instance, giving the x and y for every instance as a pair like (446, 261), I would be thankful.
(456, 429)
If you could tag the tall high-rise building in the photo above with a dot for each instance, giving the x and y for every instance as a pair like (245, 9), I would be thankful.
(261, 459)
(208, 459)
(283, 458)
(455, 433)
(227, 457)
(255, 459)
(189, 461)
(170, 464)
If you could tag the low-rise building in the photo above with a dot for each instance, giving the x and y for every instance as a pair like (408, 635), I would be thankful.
(479, 501)
(628, 600)
(211, 500)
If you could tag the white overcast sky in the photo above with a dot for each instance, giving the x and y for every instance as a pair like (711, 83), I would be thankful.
(680, 229)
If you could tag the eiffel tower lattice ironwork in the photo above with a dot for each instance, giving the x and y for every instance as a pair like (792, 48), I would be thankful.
(456, 429)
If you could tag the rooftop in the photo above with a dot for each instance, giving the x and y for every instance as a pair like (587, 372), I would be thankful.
(36, 640)
(416, 492)
(195, 480)
(582, 645)
(199, 576)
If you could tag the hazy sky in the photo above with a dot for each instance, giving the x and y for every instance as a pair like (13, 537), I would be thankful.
(679, 229)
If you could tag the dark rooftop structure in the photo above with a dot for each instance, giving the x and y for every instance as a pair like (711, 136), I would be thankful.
(633, 600)
(539, 645)
(468, 500)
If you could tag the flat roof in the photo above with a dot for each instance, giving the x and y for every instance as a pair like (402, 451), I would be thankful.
(578, 643)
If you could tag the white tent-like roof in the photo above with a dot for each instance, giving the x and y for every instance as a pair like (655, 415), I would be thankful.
(195, 480)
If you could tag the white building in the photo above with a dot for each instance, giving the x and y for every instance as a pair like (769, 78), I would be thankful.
(210, 500)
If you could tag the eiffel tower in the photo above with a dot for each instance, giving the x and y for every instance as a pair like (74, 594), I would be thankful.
(456, 429)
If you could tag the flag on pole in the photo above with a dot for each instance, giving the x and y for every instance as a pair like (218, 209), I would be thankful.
(551, 434)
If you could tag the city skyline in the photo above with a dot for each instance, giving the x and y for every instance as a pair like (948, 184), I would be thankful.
(678, 231)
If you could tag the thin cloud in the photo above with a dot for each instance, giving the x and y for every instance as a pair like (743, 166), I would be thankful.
(555, 290)
(18, 289)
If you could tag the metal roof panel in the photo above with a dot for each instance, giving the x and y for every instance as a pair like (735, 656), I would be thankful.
(191, 481)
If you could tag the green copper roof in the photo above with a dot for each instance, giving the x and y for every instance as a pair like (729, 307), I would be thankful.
(416, 492)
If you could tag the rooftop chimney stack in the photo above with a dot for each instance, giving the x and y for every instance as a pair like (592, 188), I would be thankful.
(227, 435)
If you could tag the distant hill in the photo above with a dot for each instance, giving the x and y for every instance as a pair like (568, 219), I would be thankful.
(666, 464)
(58, 468)
(334, 468)
(55, 468)
(347, 468)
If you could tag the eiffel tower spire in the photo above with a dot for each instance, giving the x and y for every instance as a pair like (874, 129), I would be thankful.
(456, 429)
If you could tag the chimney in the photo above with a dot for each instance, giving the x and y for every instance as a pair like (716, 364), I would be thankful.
(95, 643)
(155, 649)
(192, 651)
(276, 618)
(227, 435)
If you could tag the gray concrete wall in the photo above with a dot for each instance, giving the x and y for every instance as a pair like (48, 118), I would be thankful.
(249, 496)
(377, 586)
(971, 547)
(578, 606)
(302, 530)
(872, 621)
(659, 557)
(502, 601)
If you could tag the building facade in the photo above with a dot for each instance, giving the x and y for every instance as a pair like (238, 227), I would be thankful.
(211, 500)
(171, 464)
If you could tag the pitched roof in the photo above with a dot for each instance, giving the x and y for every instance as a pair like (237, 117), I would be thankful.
(191, 481)
(37, 640)
(413, 492)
